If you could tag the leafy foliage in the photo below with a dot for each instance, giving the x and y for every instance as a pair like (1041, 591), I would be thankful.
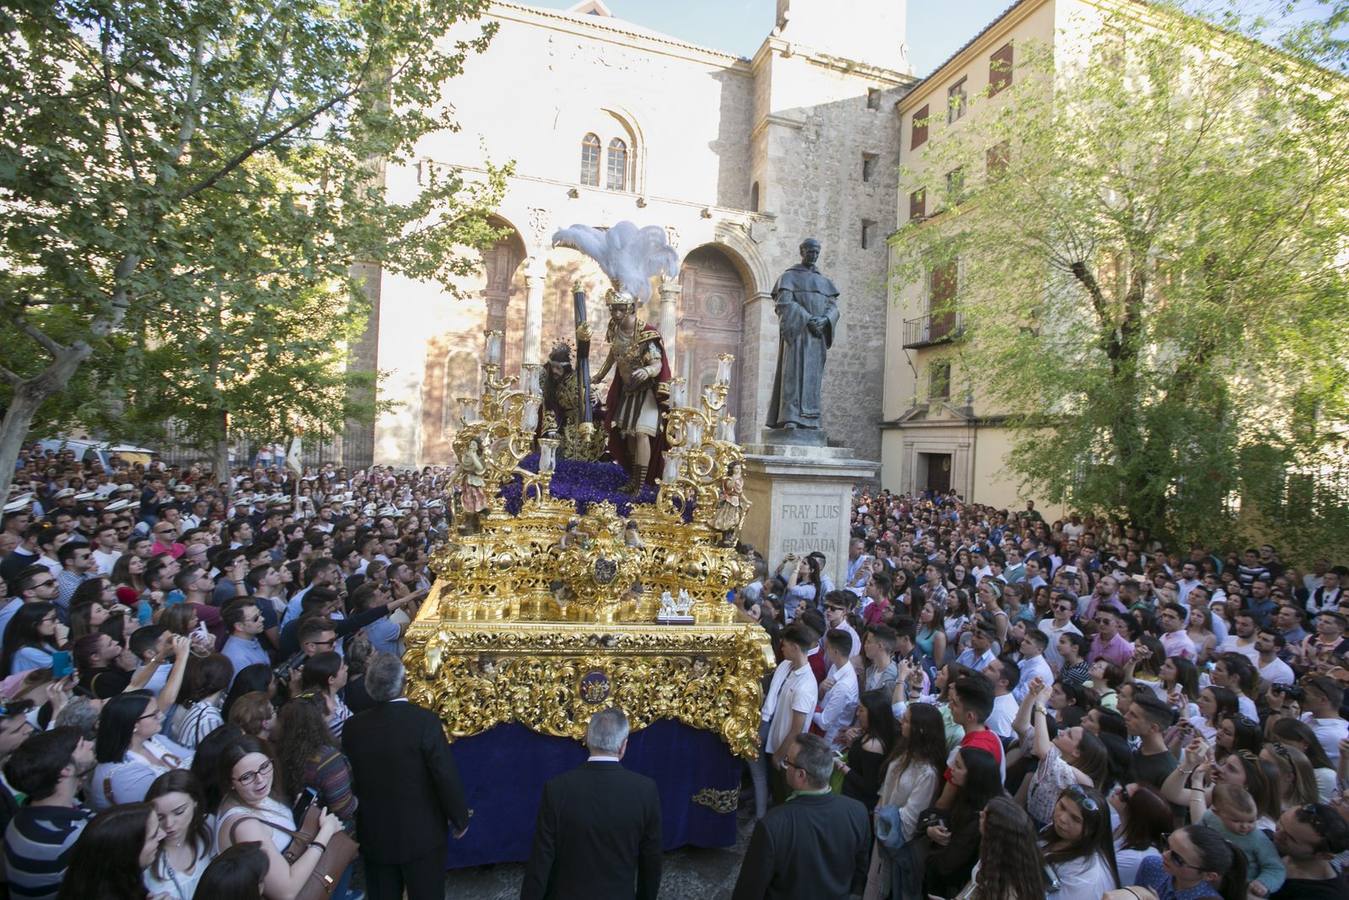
(1154, 270)
(185, 187)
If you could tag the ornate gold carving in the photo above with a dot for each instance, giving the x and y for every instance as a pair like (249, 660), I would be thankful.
(537, 673)
(723, 802)
(542, 616)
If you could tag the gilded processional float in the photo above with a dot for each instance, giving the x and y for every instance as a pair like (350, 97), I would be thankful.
(576, 582)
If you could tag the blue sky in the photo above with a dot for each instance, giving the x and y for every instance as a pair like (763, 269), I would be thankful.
(936, 28)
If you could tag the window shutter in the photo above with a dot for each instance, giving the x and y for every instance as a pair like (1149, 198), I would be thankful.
(1000, 69)
(919, 129)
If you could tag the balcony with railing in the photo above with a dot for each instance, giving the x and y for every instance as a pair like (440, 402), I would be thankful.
(933, 328)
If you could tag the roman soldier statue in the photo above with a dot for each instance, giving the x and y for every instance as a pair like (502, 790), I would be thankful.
(639, 394)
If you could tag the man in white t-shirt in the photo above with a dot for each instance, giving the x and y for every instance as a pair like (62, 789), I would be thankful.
(1322, 698)
(1004, 675)
(1269, 643)
(1243, 640)
(791, 696)
(106, 552)
(1064, 605)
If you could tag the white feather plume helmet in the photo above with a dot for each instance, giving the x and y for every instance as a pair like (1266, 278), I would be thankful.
(629, 255)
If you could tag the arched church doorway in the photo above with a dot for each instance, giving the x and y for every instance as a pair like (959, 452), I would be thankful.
(711, 321)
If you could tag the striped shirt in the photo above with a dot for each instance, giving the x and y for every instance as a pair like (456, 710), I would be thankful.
(192, 724)
(38, 844)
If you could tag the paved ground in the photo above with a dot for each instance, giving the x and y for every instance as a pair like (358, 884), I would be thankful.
(688, 874)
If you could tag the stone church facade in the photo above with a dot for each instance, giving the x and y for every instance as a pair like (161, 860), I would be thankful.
(738, 159)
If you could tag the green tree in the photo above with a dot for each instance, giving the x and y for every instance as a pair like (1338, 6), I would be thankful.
(208, 173)
(1152, 268)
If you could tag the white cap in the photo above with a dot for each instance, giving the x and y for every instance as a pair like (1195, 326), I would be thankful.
(64, 493)
(19, 503)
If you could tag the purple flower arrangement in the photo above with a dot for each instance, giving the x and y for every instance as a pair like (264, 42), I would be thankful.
(581, 482)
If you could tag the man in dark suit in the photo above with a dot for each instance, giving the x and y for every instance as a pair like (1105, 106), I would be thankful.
(408, 786)
(598, 832)
(816, 844)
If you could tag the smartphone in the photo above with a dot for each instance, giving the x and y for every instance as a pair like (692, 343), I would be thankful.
(62, 664)
(302, 804)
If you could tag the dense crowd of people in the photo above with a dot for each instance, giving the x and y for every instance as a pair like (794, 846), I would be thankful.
(197, 682)
(1070, 709)
(200, 684)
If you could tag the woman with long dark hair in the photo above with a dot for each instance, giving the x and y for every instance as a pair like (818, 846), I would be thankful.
(235, 874)
(326, 675)
(865, 768)
(1299, 735)
(931, 637)
(107, 860)
(1145, 818)
(1196, 863)
(185, 850)
(807, 585)
(199, 711)
(310, 757)
(954, 836)
(1011, 866)
(30, 639)
(129, 750)
(256, 677)
(1078, 845)
(912, 783)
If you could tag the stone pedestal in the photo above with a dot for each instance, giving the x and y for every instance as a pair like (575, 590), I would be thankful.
(802, 500)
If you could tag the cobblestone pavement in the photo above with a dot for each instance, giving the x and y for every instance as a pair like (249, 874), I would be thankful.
(689, 874)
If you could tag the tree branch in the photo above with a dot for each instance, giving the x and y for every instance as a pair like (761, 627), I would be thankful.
(44, 340)
(262, 144)
(115, 106)
(9, 376)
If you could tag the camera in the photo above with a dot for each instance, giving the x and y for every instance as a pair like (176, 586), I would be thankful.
(1291, 691)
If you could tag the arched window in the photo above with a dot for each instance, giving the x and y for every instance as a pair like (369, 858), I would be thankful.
(616, 178)
(590, 160)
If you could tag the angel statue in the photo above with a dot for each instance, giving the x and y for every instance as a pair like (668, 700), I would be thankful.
(639, 395)
(471, 483)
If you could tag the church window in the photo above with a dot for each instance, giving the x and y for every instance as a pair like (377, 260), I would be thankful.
(868, 233)
(590, 160)
(918, 204)
(754, 197)
(939, 381)
(616, 171)
(873, 98)
(869, 161)
(955, 101)
(919, 129)
(1000, 69)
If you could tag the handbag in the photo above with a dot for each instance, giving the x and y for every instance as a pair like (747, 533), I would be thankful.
(332, 862)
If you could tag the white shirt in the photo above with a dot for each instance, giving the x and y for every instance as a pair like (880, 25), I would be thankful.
(791, 691)
(1277, 672)
(1232, 645)
(1178, 643)
(1329, 732)
(1030, 668)
(106, 560)
(839, 704)
(1004, 711)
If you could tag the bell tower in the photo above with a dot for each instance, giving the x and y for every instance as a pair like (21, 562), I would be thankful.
(868, 31)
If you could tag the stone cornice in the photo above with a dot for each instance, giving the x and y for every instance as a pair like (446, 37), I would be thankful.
(789, 49)
(616, 31)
